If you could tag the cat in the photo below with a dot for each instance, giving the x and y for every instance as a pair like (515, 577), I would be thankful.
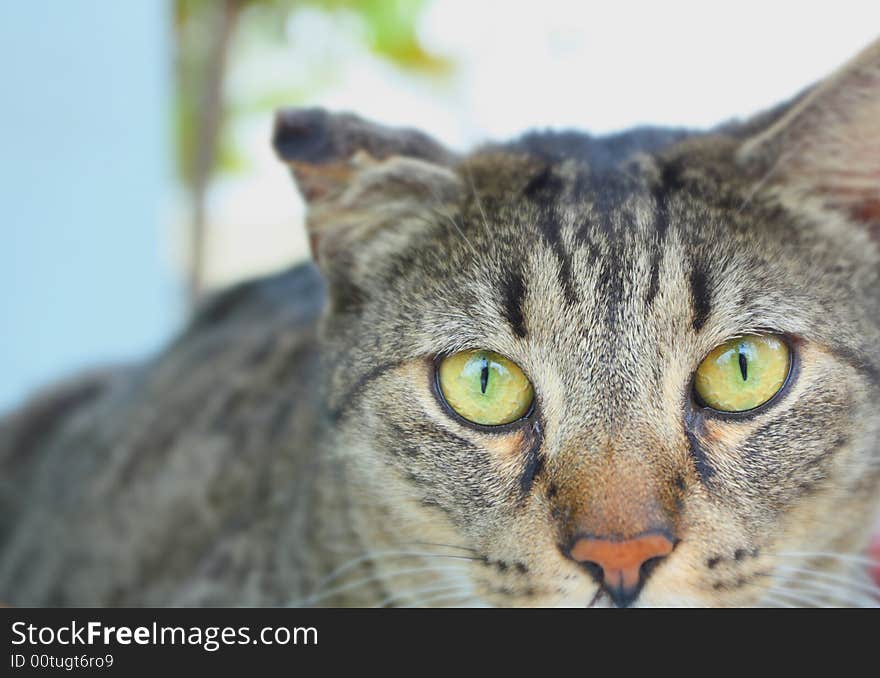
(636, 370)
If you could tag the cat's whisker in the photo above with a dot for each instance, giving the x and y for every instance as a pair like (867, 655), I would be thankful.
(479, 202)
(849, 582)
(455, 226)
(835, 595)
(462, 593)
(842, 598)
(846, 557)
(418, 593)
(838, 596)
(440, 205)
(377, 577)
(459, 601)
(448, 546)
(799, 598)
(376, 555)
(772, 601)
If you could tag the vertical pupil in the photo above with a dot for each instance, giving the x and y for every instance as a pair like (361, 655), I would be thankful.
(484, 376)
(743, 364)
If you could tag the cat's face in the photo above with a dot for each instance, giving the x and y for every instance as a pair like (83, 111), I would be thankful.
(606, 272)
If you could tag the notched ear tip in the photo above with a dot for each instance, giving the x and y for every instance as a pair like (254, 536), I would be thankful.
(326, 150)
(303, 135)
(308, 140)
(316, 136)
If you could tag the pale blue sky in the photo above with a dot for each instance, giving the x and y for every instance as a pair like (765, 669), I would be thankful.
(84, 129)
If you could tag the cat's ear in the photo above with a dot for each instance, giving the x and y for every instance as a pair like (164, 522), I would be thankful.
(359, 178)
(823, 152)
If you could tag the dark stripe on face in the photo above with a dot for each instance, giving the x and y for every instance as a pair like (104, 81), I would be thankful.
(701, 460)
(534, 461)
(610, 192)
(353, 394)
(552, 232)
(670, 180)
(701, 296)
(816, 431)
(610, 286)
(513, 291)
(654, 283)
(858, 362)
(545, 190)
(545, 187)
(661, 226)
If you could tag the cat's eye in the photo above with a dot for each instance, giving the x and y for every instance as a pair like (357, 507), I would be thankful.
(484, 387)
(743, 373)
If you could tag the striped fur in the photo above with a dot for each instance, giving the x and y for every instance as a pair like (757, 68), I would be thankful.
(292, 448)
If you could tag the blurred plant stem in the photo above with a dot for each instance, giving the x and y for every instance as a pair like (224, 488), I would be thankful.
(207, 31)
(209, 113)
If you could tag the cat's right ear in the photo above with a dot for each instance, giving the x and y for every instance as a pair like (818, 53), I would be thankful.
(822, 155)
(359, 179)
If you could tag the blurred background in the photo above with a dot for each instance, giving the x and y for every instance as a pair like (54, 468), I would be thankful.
(137, 173)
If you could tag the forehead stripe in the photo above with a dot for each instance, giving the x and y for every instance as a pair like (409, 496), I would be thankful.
(352, 397)
(513, 292)
(661, 227)
(701, 296)
(551, 230)
(545, 192)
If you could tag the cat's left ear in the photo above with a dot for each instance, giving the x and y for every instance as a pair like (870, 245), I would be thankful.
(359, 179)
(824, 151)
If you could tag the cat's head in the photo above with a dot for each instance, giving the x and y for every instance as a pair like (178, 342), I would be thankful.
(639, 369)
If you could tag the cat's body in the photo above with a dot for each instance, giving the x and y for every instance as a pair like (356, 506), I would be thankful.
(179, 480)
(293, 446)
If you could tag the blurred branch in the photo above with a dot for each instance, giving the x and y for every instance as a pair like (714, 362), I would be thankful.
(206, 34)
(209, 117)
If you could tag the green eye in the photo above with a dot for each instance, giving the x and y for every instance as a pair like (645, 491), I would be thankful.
(485, 387)
(743, 373)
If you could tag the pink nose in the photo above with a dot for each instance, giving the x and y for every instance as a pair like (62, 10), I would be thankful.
(621, 561)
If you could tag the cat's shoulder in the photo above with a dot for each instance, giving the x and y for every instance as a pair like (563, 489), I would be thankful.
(295, 296)
(173, 449)
(235, 318)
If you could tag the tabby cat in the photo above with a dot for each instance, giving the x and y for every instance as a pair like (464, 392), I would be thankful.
(638, 370)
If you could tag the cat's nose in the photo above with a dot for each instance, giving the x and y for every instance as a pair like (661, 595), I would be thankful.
(624, 563)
